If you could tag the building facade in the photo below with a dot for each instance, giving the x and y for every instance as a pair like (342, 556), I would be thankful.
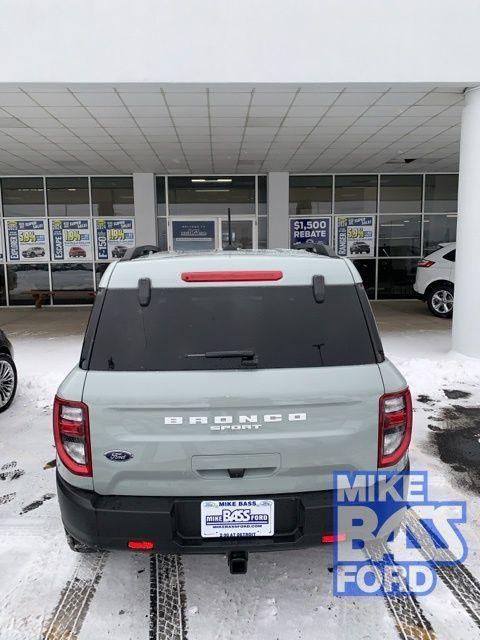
(312, 120)
(54, 227)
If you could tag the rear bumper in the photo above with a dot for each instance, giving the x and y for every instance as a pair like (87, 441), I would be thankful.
(173, 524)
(417, 294)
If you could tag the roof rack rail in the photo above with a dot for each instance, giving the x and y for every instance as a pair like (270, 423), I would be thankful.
(139, 252)
(316, 247)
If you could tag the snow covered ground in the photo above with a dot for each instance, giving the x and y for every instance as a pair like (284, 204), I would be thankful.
(48, 592)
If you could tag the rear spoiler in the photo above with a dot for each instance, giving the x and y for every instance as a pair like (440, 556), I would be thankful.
(139, 252)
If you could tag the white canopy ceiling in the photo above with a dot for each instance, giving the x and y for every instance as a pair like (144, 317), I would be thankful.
(228, 128)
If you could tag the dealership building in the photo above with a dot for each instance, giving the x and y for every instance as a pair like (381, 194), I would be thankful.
(151, 124)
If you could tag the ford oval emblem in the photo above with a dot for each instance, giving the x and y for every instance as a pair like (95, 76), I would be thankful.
(119, 456)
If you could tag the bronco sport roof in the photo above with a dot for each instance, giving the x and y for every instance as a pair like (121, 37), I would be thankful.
(165, 269)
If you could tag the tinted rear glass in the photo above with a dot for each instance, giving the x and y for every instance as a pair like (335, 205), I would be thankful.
(450, 256)
(284, 326)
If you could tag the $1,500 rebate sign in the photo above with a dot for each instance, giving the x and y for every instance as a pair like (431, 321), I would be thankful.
(309, 230)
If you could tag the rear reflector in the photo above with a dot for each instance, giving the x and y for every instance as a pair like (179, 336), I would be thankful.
(140, 544)
(425, 263)
(230, 276)
(328, 538)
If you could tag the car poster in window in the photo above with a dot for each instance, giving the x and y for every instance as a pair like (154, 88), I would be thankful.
(113, 236)
(309, 230)
(356, 236)
(71, 240)
(26, 240)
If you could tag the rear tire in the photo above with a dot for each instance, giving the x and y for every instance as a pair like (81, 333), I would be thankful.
(79, 547)
(440, 300)
(8, 381)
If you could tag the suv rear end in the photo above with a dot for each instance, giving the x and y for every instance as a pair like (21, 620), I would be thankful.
(224, 383)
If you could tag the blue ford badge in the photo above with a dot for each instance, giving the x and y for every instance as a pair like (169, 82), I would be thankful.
(119, 456)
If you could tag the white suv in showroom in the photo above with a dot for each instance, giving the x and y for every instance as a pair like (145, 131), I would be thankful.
(435, 278)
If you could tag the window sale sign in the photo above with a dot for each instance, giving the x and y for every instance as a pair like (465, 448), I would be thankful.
(309, 230)
(71, 240)
(26, 240)
(113, 237)
(356, 236)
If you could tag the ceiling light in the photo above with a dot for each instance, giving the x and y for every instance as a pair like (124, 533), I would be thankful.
(211, 179)
(71, 189)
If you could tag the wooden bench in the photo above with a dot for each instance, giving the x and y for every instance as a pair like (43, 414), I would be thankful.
(42, 295)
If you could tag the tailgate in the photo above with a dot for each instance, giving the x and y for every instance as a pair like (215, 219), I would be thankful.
(214, 433)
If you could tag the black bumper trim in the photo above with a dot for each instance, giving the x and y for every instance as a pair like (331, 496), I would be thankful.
(173, 523)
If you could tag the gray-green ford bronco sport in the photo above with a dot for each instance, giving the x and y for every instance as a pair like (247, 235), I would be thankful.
(215, 396)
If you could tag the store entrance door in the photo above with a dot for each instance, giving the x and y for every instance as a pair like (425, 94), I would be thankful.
(207, 234)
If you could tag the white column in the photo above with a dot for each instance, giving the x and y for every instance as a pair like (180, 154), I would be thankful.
(277, 189)
(144, 196)
(466, 315)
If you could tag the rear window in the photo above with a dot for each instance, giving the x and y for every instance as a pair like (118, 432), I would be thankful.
(284, 327)
(450, 256)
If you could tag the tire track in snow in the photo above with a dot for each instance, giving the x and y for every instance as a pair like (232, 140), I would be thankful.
(72, 607)
(410, 620)
(457, 578)
(167, 598)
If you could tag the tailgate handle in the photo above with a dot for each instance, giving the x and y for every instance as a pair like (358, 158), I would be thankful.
(236, 473)
(318, 283)
(144, 291)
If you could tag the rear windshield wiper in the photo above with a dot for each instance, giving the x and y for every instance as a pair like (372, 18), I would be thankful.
(248, 357)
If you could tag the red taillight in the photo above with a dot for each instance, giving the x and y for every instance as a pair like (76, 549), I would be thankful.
(140, 544)
(395, 427)
(230, 276)
(72, 435)
(425, 263)
(328, 538)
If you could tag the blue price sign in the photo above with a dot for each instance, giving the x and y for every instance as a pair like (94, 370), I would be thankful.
(309, 230)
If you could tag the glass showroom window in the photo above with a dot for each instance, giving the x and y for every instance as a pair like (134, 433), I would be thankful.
(112, 197)
(262, 212)
(162, 241)
(262, 195)
(437, 229)
(3, 293)
(356, 194)
(366, 269)
(211, 195)
(310, 195)
(68, 197)
(77, 279)
(23, 197)
(396, 278)
(22, 278)
(441, 193)
(400, 194)
(399, 236)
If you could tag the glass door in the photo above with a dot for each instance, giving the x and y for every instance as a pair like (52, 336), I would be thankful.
(242, 234)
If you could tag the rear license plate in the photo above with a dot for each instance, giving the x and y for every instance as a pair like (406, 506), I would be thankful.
(237, 518)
